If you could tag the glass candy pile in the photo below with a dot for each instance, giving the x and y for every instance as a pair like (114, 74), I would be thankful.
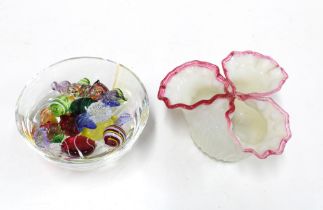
(82, 120)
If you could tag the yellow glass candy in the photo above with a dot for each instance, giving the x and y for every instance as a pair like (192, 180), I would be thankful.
(46, 116)
(97, 134)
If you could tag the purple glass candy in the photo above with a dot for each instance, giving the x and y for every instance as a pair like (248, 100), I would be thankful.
(40, 137)
(61, 87)
(123, 119)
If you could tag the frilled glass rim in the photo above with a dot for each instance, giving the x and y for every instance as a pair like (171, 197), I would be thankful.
(230, 93)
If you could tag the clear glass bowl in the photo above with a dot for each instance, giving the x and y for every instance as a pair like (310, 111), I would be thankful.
(38, 94)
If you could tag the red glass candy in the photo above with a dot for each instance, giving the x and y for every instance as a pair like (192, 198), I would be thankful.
(68, 125)
(97, 90)
(78, 146)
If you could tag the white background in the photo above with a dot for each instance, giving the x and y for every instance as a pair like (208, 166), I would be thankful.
(165, 170)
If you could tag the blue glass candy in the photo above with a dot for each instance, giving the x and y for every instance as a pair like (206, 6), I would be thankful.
(84, 121)
(113, 98)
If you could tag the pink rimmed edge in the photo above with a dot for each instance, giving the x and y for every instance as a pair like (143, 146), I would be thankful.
(226, 73)
(268, 152)
(170, 75)
(231, 96)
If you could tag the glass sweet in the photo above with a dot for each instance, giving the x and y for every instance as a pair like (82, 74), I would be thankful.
(83, 111)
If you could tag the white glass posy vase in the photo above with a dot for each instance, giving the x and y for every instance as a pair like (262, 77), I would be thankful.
(231, 116)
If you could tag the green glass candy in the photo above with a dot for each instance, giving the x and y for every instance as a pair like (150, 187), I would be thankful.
(58, 138)
(84, 81)
(120, 95)
(79, 105)
(60, 105)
